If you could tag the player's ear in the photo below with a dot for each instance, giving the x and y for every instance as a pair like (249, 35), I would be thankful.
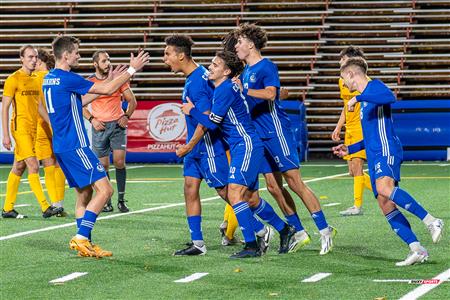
(227, 72)
(181, 56)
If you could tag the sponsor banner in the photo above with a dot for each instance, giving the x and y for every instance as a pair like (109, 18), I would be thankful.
(156, 126)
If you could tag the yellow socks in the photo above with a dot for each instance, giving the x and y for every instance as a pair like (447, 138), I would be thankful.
(36, 187)
(232, 222)
(60, 180)
(358, 189)
(367, 182)
(12, 187)
(50, 183)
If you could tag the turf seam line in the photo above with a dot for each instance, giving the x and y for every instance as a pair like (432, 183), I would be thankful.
(24, 233)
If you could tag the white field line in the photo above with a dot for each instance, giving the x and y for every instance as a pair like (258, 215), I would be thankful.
(425, 288)
(68, 277)
(147, 181)
(23, 233)
(316, 277)
(192, 277)
(331, 204)
(22, 205)
(403, 280)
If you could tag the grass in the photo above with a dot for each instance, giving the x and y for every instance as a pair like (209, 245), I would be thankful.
(142, 266)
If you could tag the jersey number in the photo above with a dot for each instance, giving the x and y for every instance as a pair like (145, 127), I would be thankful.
(48, 99)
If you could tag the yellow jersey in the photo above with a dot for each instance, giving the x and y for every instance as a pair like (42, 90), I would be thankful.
(24, 90)
(40, 77)
(352, 120)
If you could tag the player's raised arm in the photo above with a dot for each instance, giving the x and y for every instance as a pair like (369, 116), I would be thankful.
(377, 92)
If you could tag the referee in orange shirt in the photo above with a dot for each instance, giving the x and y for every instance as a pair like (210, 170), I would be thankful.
(109, 126)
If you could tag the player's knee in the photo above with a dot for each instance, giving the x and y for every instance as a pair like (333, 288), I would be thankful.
(119, 163)
(383, 190)
(19, 168)
(274, 189)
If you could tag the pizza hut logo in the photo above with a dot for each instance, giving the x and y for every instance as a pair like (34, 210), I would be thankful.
(166, 122)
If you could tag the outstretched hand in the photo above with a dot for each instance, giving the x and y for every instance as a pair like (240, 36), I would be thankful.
(187, 107)
(117, 71)
(340, 150)
(139, 61)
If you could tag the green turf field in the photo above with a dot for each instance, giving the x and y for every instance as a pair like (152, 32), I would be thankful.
(143, 242)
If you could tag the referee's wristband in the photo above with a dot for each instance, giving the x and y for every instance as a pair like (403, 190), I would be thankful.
(131, 70)
(90, 119)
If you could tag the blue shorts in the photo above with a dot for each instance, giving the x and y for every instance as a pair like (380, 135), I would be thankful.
(81, 167)
(281, 154)
(213, 169)
(382, 166)
(244, 166)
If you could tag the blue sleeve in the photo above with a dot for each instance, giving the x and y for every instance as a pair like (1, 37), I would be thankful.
(203, 119)
(77, 84)
(271, 77)
(223, 98)
(376, 92)
(202, 96)
(353, 148)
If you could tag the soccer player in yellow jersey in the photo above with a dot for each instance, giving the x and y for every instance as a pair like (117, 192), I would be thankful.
(353, 134)
(22, 90)
(55, 180)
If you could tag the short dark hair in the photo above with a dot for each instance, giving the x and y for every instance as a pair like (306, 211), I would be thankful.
(229, 41)
(254, 33)
(182, 43)
(45, 56)
(352, 51)
(232, 62)
(64, 43)
(24, 48)
(356, 61)
(96, 55)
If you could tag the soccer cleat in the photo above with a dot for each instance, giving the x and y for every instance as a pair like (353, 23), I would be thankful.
(191, 250)
(227, 242)
(264, 241)
(352, 211)
(108, 207)
(12, 214)
(436, 228)
(299, 240)
(101, 252)
(327, 240)
(52, 211)
(285, 239)
(84, 247)
(246, 253)
(122, 207)
(62, 214)
(414, 257)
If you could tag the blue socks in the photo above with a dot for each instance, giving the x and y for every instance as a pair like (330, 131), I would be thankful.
(320, 220)
(265, 211)
(401, 226)
(86, 224)
(244, 216)
(406, 201)
(195, 227)
(294, 221)
(256, 224)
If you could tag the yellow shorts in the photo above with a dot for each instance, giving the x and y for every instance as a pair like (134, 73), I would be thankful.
(43, 144)
(24, 145)
(351, 137)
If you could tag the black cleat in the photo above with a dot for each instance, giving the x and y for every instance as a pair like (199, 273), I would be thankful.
(246, 253)
(52, 211)
(264, 241)
(122, 206)
(191, 250)
(12, 214)
(286, 236)
(108, 207)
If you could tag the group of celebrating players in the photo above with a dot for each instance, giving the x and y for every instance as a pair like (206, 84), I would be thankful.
(237, 129)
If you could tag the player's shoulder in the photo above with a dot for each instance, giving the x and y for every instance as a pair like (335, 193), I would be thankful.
(15, 75)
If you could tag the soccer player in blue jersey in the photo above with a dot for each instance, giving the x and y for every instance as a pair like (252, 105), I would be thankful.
(65, 93)
(207, 160)
(261, 87)
(384, 157)
(230, 111)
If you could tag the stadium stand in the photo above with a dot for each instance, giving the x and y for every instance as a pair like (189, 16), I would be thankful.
(407, 42)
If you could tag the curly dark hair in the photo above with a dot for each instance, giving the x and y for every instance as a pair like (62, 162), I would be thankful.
(352, 51)
(254, 33)
(182, 43)
(46, 57)
(232, 62)
(230, 40)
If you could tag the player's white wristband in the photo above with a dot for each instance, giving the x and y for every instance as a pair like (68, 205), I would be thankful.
(131, 71)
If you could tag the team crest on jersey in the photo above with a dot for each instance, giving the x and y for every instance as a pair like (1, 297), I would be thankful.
(253, 77)
(100, 167)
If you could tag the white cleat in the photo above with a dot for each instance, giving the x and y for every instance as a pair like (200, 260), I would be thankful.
(227, 242)
(299, 240)
(352, 211)
(414, 257)
(436, 228)
(327, 240)
(264, 241)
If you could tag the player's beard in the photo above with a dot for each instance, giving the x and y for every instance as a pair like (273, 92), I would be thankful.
(105, 71)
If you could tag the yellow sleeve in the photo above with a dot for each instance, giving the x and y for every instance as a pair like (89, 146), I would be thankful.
(341, 88)
(10, 87)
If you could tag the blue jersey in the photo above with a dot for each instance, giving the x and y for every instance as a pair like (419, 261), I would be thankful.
(376, 121)
(270, 119)
(231, 111)
(200, 91)
(62, 91)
